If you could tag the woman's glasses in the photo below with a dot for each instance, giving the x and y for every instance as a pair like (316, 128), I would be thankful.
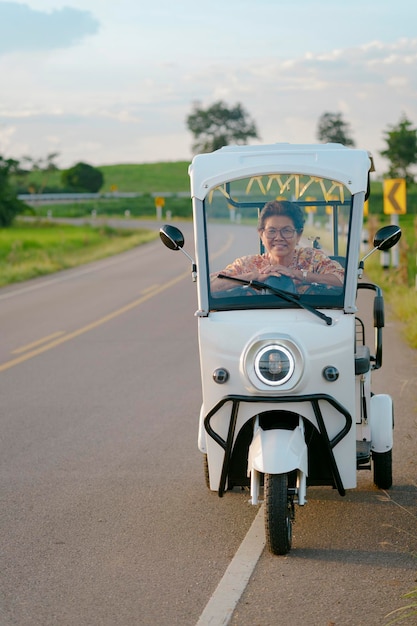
(286, 233)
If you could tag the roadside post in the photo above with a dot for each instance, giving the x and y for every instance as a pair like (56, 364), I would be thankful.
(159, 205)
(395, 204)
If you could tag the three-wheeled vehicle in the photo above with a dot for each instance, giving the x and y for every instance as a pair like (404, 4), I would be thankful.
(286, 365)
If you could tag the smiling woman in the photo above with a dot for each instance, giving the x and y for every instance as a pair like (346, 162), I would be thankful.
(280, 226)
(30, 251)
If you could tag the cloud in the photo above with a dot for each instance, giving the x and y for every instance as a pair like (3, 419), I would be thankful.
(139, 114)
(6, 136)
(23, 29)
(369, 84)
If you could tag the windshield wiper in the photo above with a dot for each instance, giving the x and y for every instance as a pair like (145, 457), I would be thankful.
(285, 295)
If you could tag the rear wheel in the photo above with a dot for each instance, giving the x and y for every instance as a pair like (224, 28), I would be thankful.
(382, 462)
(279, 513)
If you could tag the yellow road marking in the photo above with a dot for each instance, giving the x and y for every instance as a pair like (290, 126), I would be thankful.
(226, 246)
(85, 329)
(38, 342)
(151, 288)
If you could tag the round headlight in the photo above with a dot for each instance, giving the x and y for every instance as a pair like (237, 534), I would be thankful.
(274, 365)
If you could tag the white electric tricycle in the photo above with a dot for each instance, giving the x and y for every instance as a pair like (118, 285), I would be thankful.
(286, 368)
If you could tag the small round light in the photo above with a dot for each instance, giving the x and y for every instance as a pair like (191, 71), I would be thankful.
(220, 375)
(274, 365)
(331, 373)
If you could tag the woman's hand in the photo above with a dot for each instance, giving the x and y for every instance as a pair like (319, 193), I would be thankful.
(282, 270)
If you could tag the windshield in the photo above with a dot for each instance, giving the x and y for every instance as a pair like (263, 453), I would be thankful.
(277, 232)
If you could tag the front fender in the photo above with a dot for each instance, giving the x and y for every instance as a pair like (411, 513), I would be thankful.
(278, 451)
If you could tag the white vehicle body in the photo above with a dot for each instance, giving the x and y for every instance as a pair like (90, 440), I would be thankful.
(286, 386)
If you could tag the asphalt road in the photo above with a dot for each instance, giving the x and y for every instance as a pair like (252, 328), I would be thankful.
(104, 515)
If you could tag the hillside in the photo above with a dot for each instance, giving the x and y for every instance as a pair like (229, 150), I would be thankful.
(141, 177)
(147, 177)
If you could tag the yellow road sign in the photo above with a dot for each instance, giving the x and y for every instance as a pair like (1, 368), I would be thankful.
(159, 202)
(395, 200)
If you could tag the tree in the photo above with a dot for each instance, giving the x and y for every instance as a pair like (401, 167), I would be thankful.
(333, 129)
(219, 126)
(401, 149)
(83, 178)
(10, 206)
(45, 165)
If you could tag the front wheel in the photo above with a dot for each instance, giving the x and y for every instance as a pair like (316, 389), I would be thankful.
(382, 462)
(206, 471)
(279, 512)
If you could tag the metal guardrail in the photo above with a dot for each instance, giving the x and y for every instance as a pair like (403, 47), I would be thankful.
(49, 198)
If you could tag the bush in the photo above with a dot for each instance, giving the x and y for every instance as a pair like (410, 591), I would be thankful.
(83, 178)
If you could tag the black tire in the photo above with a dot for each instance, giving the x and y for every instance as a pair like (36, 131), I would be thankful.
(278, 513)
(382, 463)
(206, 472)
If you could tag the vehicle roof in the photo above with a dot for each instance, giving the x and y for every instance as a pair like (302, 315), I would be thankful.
(333, 161)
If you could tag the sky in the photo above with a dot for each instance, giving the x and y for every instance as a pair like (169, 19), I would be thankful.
(113, 82)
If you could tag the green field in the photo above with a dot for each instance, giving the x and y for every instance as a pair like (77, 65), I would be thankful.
(148, 177)
(27, 251)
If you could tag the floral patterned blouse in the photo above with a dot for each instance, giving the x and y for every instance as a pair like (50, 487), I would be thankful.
(310, 259)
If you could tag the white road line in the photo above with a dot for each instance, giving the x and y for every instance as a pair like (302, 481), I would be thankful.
(222, 603)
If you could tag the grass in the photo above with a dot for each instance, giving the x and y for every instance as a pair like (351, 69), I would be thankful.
(43, 248)
(399, 283)
(401, 298)
(147, 177)
(407, 611)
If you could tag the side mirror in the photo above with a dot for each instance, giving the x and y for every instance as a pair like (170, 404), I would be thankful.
(171, 237)
(386, 237)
